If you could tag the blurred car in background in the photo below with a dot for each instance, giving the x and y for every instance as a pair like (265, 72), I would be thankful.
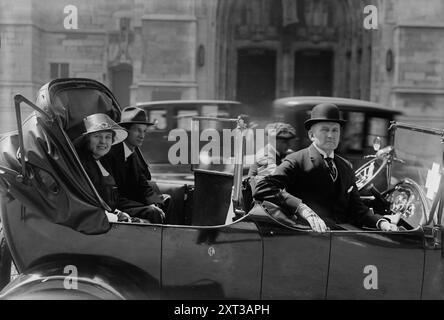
(177, 114)
(365, 122)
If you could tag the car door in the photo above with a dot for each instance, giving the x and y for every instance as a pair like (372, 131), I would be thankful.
(376, 265)
(295, 262)
(433, 286)
(212, 262)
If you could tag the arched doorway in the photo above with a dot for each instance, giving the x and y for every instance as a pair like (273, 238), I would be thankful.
(313, 73)
(121, 79)
(320, 48)
(256, 79)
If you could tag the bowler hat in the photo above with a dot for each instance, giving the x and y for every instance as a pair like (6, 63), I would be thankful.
(324, 112)
(101, 122)
(134, 115)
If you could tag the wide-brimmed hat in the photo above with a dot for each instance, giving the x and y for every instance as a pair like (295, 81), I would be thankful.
(324, 112)
(281, 130)
(101, 122)
(134, 115)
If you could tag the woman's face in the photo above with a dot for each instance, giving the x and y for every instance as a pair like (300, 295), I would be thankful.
(99, 143)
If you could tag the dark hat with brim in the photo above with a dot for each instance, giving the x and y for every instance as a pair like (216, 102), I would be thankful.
(134, 115)
(324, 112)
(101, 122)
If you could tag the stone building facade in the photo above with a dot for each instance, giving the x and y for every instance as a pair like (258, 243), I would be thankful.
(249, 50)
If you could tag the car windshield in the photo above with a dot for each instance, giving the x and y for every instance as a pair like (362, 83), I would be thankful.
(421, 152)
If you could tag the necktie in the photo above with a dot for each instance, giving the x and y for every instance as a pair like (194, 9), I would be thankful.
(331, 168)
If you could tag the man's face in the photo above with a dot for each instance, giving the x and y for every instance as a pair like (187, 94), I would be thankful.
(136, 134)
(282, 145)
(99, 143)
(325, 135)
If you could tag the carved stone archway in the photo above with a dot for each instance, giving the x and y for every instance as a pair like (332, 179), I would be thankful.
(288, 26)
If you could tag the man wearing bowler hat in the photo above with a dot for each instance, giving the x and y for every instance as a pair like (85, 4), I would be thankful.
(318, 185)
(130, 170)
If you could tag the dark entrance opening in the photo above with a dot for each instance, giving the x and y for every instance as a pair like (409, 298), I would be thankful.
(256, 80)
(121, 80)
(313, 73)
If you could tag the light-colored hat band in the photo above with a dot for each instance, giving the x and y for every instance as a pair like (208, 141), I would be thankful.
(101, 127)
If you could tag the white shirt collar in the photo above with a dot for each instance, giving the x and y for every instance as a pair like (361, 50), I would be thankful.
(102, 169)
(323, 153)
(127, 150)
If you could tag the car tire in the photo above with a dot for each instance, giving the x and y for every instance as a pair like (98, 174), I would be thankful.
(5, 260)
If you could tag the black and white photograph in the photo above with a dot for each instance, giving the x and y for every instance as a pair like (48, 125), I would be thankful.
(221, 155)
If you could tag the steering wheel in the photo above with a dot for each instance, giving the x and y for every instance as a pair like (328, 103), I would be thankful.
(367, 173)
(408, 204)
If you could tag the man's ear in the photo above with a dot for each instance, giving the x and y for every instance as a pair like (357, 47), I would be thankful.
(310, 135)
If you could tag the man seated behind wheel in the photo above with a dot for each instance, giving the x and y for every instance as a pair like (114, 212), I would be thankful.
(317, 184)
(130, 170)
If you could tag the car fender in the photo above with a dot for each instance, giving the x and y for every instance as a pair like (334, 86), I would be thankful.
(82, 277)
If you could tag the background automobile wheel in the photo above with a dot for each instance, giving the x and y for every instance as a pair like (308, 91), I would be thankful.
(5, 260)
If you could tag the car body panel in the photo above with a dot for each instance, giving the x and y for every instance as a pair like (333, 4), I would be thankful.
(212, 262)
(303, 258)
(433, 284)
(396, 260)
(123, 241)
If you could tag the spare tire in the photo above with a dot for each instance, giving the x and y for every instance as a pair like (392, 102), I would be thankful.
(5, 260)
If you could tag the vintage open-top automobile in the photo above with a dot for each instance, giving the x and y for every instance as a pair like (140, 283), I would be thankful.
(64, 247)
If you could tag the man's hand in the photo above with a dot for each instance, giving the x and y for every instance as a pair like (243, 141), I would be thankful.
(384, 225)
(316, 223)
(159, 211)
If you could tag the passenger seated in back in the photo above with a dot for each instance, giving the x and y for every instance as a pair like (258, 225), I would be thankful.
(130, 170)
(271, 156)
(100, 133)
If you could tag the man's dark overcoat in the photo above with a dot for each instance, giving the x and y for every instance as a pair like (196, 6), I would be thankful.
(132, 178)
(304, 176)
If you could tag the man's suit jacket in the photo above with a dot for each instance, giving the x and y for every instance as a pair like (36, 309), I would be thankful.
(266, 160)
(304, 177)
(131, 177)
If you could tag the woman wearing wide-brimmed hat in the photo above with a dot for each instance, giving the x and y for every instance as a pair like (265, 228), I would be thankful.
(101, 132)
